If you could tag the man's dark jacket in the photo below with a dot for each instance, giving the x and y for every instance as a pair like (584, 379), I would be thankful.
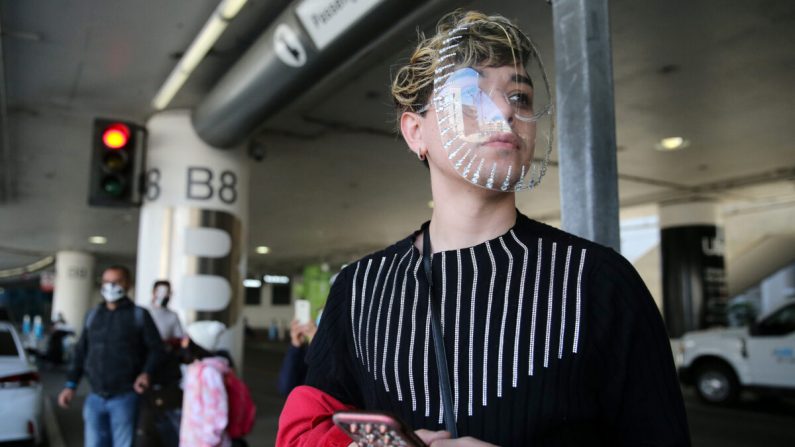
(113, 349)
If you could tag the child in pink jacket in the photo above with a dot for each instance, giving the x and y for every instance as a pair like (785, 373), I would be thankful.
(205, 409)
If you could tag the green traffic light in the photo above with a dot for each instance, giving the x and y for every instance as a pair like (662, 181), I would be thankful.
(112, 186)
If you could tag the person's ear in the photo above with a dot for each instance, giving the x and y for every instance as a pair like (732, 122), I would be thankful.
(411, 129)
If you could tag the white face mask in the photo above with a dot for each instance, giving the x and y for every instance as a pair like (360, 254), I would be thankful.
(112, 292)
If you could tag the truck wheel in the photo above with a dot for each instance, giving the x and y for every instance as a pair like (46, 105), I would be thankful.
(716, 384)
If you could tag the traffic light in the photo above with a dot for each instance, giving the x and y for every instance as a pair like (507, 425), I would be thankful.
(117, 163)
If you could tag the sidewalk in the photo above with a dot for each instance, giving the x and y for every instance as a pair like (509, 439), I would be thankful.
(261, 369)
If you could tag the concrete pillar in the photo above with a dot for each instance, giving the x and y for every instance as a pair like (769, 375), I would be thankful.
(693, 271)
(74, 286)
(193, 226)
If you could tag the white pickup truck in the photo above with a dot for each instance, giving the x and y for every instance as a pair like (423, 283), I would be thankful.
(721, 362)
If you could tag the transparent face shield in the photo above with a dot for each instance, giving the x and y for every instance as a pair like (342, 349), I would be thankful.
(495, 122)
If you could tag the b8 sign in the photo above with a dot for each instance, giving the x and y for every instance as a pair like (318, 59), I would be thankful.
(201, 184)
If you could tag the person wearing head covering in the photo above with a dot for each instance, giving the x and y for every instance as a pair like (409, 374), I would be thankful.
(205, 404)
(485, 327)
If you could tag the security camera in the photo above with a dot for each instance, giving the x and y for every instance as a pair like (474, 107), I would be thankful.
(256, 150)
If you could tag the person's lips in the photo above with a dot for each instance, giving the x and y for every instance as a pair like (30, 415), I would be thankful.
(503, 140)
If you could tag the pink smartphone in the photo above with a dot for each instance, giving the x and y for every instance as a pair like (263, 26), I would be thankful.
(376, 429)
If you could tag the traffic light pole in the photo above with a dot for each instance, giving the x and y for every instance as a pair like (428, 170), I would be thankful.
(7, 181)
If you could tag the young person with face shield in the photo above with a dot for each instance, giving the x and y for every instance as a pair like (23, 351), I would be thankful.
(118, 351)
(485, 327)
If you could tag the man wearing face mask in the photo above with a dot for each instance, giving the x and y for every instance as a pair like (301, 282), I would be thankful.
(159, 425)
(166, 320)
(119, 349)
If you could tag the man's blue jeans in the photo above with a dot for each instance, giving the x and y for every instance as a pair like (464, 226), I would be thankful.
(110, 422)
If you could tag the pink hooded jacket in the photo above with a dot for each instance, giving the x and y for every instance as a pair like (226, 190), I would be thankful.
(205, 405)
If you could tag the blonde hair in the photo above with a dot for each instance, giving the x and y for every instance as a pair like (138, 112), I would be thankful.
(491, 41)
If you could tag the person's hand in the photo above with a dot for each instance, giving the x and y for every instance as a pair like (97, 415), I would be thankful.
(141, 383)
(65, 397)
(429, 437)
(309, 330)
(466, 441)
(296, 336)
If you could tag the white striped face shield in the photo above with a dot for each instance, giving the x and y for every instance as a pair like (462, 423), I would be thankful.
(495, 122)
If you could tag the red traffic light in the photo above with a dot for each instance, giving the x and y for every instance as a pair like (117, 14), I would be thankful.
(118, 157)
(116, 135)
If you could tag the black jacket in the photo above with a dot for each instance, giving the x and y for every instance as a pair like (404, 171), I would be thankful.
(113, 349)
(549, 340)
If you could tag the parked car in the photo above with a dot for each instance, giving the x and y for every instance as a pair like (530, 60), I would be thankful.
(722, 362)
(20, 391)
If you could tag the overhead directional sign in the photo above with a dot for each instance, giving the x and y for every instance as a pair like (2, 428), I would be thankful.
(288, 46)
(324, 20)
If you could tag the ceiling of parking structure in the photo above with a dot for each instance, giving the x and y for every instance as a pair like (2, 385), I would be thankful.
(337, 181)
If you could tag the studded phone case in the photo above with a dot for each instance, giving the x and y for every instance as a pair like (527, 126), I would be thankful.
(376, 429)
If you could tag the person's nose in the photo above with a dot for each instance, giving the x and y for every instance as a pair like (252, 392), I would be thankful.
(502, 103)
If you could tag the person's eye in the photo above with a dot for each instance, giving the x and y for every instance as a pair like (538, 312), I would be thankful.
(521, 100)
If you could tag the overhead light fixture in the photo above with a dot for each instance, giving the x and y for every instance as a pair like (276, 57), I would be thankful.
(672, 144)
(98, 240)
(204, 41)
(263, 250)
(252, 283)
(276, 279)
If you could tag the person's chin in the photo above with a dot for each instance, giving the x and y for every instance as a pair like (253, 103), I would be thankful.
(505, 157)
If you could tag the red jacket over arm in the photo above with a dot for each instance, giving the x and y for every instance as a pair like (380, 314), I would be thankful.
(306, 420)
